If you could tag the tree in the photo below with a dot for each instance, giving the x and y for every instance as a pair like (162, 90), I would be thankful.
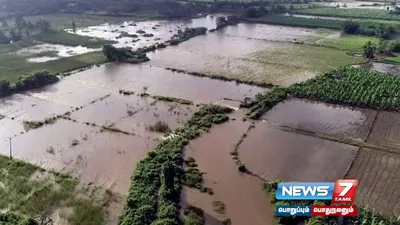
(5, 88)
(20, 22)
(251, 12)
(351, 27)
(43, 25)
(382, 46)
(221, 22)
(3, 38)
(15, 35)
(369, 50)
(73, 27)
(30, 26)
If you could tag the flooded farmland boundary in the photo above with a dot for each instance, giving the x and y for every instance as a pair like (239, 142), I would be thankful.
(157, 181)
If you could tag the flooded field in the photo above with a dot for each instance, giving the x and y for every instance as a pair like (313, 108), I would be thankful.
(243, 195)
(55, 52)
(14, 128)
(341, 121)
(386, 130)
(84, 148)
(23, 107)
(272, 153)
(130, 34)
(379, 187)
(158, 81)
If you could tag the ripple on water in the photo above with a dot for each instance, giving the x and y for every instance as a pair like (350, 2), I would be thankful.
(318, 117)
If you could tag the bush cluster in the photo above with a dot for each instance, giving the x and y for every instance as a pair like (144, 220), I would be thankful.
(36, 80)
(124, 54)
(185, 35)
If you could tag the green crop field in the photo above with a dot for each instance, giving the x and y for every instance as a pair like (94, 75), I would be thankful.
(348, 42)
(353, 86)
(352, 13)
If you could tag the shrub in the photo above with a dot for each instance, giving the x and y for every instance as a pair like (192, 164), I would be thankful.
(160, 126)
(36, 80)
(369, 50)
(394, 46)
(5, 88)
(351, 27)
(193, 177)
(193, 216)
(252, 12)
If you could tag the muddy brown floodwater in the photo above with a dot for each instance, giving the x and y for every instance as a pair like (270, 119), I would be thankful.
(158, 81)
(318, 117)
(246, 201)
(275, 154)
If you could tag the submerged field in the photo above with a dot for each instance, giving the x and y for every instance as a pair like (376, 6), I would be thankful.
(255, 60)
(154, 120)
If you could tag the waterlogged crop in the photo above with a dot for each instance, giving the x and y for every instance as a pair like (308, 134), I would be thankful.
(353, 86)
(157, 181)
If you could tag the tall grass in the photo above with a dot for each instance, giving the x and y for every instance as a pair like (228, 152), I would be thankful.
(28, 197)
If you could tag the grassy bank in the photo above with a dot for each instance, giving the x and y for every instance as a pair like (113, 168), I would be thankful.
(157, 181)
(70, 39)
(351, 13)
(352, 86)
(62, 21)
(13, 66)
(30, 192)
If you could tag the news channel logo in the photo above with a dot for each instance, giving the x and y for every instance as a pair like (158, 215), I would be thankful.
(341, 191)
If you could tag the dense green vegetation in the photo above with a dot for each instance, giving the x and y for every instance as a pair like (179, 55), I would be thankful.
(352, 13)
(193, 216)
(353, 86)
(223, 21)
(31, 195)
(365, 214)
(38, 79)
(172, 99)
(157, 181)
(264, 101)
(185, 35)
(124, 54)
